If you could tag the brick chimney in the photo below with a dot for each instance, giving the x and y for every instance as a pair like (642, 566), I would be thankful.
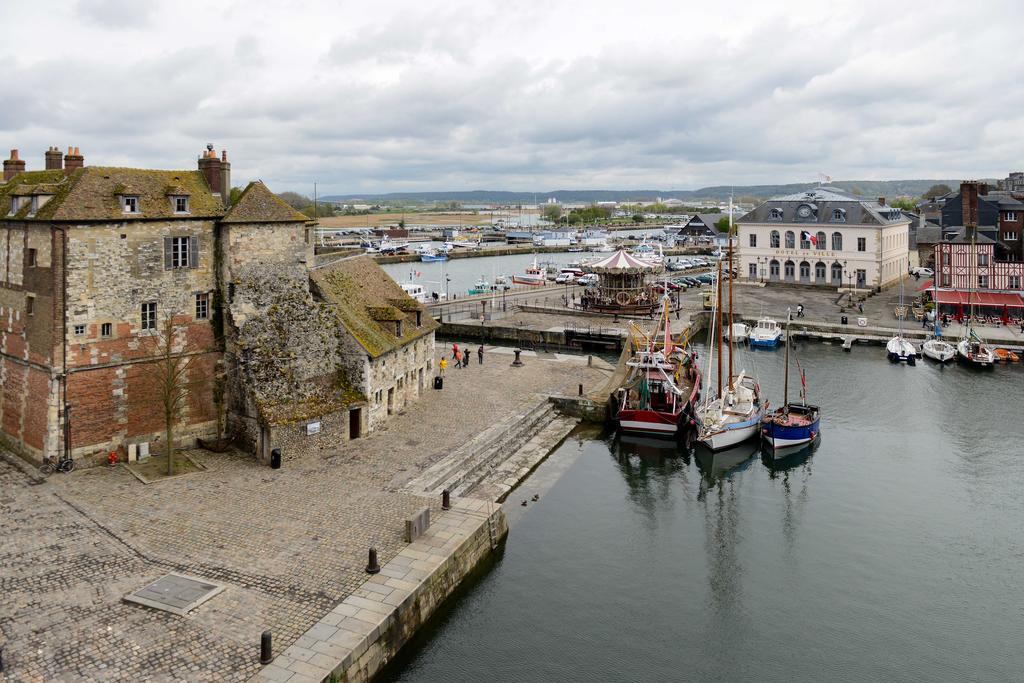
(13, 166)
(881, 200)
(209, 164)
(969, 205)
(225, 178)
(73, 160)
(54, 159)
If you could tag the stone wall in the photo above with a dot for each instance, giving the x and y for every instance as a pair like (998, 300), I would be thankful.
(402, 375)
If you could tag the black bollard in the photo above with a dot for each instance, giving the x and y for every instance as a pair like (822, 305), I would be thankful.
(372, 567)
(581, 390)
(266, 649)
(446, 500)
(516, 363)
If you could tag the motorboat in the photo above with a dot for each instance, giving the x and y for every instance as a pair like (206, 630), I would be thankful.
(431, 256)
(535, 276)
(899, 350)
(481, 286)
(1006, 356)
(938, 350)
(738, 334)
(415, 290)
(767, 333)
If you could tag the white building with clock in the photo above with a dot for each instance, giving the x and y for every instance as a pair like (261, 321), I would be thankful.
(824, 237)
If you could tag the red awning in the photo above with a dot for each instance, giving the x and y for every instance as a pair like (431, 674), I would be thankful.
(952, 296)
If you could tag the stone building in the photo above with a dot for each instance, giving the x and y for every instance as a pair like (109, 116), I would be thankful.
(102, 270)
(824, 237)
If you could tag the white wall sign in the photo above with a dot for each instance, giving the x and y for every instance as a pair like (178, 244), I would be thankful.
(312, 428)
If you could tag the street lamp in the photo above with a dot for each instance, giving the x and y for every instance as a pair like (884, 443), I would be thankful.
(447, 279)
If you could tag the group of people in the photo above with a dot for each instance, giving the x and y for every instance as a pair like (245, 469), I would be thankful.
(461, 357)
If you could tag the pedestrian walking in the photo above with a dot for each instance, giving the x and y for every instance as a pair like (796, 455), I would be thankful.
(443, 364)
(860, 306)
(480, 354)
(458, 358)
(465, 358)
(455, 351)
(799, 310)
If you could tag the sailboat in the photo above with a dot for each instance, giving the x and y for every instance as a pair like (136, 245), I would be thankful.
(935, 348)
(971, 350)
(793, 424)
(663, 383)
(899, 349)
(734, 414)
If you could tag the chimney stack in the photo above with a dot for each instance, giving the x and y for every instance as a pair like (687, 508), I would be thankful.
(73, 160)
(209, 164)
(13, 166)
(225, 178)
(969, 204)
(881, 200)
(54, 159)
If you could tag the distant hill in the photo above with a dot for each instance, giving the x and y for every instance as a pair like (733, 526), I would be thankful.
(867, 188)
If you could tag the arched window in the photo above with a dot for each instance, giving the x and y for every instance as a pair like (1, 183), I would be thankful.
(773, 269)
(837, 241)
(790, 240)
(775, 215)
(819, 272)
(820, 237)
(838, 216)
(790, 270)
(805, 271)
(774, 239)
(837, 274)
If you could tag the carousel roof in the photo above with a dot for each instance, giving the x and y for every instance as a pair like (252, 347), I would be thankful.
(622, 262)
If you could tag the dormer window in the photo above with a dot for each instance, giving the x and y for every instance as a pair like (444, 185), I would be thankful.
(19, 203)
(130, 203)
(838, 216)
(180, 204)
(398, 328)
(775, 215)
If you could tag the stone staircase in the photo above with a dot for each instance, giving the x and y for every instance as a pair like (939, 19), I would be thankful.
(494, 460)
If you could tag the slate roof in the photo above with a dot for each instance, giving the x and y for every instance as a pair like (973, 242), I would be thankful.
(929, 234)
(823, 201)
(708, 220)
(368, 302)
(257, 204)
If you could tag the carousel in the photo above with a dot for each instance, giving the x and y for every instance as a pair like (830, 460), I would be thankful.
(622, 287)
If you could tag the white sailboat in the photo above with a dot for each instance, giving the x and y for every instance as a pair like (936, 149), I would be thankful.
(899, 349)
(971, 350)
(935, 348)
(734, 414)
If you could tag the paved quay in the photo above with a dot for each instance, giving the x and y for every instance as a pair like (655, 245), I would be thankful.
(289, 545)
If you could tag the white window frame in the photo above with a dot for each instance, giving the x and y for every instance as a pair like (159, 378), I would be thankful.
(179, 252)
(106, 330)
(1011, 216)
(775, 215)
(79, 329)
(753, 240)
(130, 203)
(180, 198)
(982, 259)
(1014, 282)
(148, 316)
(983, 282)
(862, 244)
(203, 305)
(1010, 236)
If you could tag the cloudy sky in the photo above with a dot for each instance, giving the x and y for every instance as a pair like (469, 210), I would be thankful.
(381, 96)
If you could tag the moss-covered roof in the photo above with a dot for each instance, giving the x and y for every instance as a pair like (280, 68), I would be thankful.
(257, 204)
(319, 401)
(364, 297)
(92, 193)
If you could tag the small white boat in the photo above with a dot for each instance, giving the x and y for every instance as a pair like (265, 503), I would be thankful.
(767, 333)
(899, 350)
(973, 352)
(415, 290)
(938, 350)
(535, 276)
(738, 334)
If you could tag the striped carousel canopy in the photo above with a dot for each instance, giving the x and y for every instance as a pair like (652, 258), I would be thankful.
(622, 262)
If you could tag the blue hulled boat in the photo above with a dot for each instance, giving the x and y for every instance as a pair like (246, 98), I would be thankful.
(793, 424)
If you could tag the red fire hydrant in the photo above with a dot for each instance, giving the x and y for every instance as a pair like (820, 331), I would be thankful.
(111, 458)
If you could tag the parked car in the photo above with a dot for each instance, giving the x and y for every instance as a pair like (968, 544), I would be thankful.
(921, 271)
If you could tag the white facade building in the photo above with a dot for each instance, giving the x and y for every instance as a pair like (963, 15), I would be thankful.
(824, 237)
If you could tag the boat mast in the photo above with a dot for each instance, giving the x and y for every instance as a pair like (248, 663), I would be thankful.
(718, 285)
(731, 340)
(785, 375)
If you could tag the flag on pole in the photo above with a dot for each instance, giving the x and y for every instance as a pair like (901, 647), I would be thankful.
(808, 237)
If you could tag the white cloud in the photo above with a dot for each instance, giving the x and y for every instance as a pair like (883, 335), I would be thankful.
(377, 96)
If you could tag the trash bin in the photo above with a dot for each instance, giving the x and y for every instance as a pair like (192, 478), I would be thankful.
(843, 320)
(439, 382)
(275, 459)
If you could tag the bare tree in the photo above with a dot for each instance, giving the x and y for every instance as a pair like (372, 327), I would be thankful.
(170, 377)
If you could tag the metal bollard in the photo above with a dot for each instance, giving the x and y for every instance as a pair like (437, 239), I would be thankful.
(372, 567)
(266, 649)
(590, 361)
(516, 363)
(581, 390)
(446, 500)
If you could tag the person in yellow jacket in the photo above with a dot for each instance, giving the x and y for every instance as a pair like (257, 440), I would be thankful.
(443, 364)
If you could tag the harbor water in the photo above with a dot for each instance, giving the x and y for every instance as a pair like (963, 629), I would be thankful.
(892, 551)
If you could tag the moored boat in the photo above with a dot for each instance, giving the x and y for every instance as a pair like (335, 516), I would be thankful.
(793, 423)
(899, 350)
(972, 352)
(662, 387)
(481, 286)
(1006, 356)
(432, 256)
(535, 276)
(767, 333)
(738, 334)
(938, 350)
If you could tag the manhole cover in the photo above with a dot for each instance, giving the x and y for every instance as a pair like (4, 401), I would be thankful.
(175, 593)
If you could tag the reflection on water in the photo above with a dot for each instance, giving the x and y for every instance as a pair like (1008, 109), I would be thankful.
(887, 550)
